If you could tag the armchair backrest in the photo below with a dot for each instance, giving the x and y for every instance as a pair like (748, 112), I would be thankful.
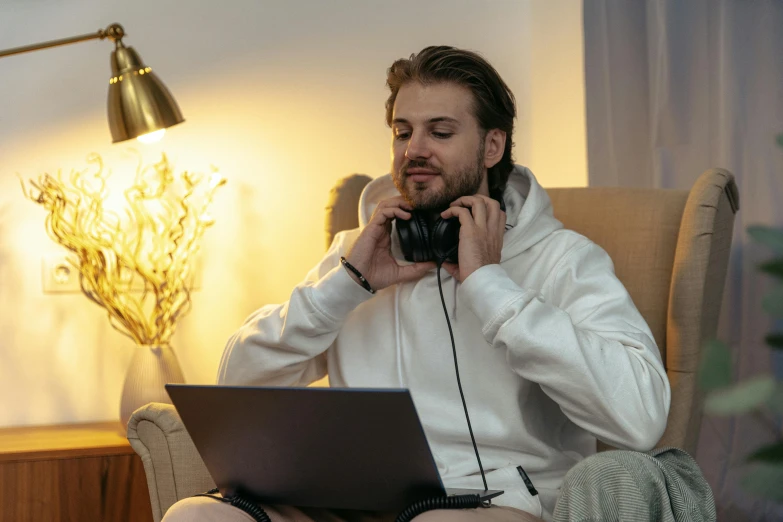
(670, 249)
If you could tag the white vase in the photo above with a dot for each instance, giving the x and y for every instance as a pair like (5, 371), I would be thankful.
(151, 368)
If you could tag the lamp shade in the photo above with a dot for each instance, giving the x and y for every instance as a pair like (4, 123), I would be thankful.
(139, 103)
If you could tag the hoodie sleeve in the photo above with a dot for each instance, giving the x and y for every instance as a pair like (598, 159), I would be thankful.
(587, 346)
(285, 344)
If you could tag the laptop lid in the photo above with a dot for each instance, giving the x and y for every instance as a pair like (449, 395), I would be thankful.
(315, 447)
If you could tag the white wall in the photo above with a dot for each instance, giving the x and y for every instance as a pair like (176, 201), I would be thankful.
(556, 129)
(283, 97)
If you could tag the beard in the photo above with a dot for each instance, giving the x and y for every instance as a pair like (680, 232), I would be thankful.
(466, 181)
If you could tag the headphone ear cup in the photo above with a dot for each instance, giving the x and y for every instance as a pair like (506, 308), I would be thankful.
(425, 252)
(414, 238)
(445, 240)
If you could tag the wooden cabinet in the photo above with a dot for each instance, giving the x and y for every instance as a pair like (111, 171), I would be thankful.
(71, 473)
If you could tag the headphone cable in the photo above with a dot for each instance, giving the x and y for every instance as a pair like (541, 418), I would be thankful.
(459, 383)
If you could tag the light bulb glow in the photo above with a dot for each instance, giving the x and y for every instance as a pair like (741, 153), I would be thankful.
(152, 137)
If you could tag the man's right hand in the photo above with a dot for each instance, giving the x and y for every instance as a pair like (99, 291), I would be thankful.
(371, 253)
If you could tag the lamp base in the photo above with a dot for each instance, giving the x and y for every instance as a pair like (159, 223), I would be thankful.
(151, 368)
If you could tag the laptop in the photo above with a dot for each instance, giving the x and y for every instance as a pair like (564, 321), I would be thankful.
(336, 448)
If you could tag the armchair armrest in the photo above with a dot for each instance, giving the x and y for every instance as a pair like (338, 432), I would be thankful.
(173, 467)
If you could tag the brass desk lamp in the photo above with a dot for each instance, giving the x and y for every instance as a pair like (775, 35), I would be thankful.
(139, 106)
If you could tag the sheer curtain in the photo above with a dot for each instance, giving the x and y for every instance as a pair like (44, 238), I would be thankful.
(675, 87)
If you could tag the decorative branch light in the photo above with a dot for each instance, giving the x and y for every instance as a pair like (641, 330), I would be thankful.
(139, 267)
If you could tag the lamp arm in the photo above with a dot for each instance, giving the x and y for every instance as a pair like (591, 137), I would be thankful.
(115, 32)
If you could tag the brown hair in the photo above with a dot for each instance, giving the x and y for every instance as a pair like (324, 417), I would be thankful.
(494, 105)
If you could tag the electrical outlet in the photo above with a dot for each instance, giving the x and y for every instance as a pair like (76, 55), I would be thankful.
(59, 275)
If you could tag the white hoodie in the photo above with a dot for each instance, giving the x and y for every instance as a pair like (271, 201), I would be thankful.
(552, 351)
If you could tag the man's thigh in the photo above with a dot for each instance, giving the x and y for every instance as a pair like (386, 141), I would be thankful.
(202, 509)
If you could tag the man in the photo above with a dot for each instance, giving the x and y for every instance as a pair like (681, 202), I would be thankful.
(553, 353)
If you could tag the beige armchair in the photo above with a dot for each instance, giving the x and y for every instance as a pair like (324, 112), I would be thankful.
(670, 249)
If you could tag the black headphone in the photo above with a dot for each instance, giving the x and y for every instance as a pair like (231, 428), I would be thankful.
(428, 237)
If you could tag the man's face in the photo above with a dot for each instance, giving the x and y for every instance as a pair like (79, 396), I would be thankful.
(437, 145)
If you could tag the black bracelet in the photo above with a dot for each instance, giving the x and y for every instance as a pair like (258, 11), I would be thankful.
(358, 274)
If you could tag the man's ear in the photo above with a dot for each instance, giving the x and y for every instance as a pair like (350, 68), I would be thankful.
(494, 146)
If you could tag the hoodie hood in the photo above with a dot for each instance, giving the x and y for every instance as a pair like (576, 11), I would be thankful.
(528, 210)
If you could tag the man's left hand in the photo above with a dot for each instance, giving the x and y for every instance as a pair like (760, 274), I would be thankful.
(482, 225)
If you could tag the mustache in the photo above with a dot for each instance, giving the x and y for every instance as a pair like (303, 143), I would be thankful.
(418, 164)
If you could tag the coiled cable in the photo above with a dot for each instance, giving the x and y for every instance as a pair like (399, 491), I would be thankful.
(455, 502)
(252, 509)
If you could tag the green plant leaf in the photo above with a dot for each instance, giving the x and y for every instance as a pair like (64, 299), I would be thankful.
(768, 453)
(775, 341)
(740, 398)
(775, 400)
(774, 267)
(780, 140)
(773, 302)
(771, 237)
(765, 480)
(715, 368)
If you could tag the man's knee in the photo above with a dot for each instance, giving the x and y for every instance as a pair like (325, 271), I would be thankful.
(439, 515)
(203, 509)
